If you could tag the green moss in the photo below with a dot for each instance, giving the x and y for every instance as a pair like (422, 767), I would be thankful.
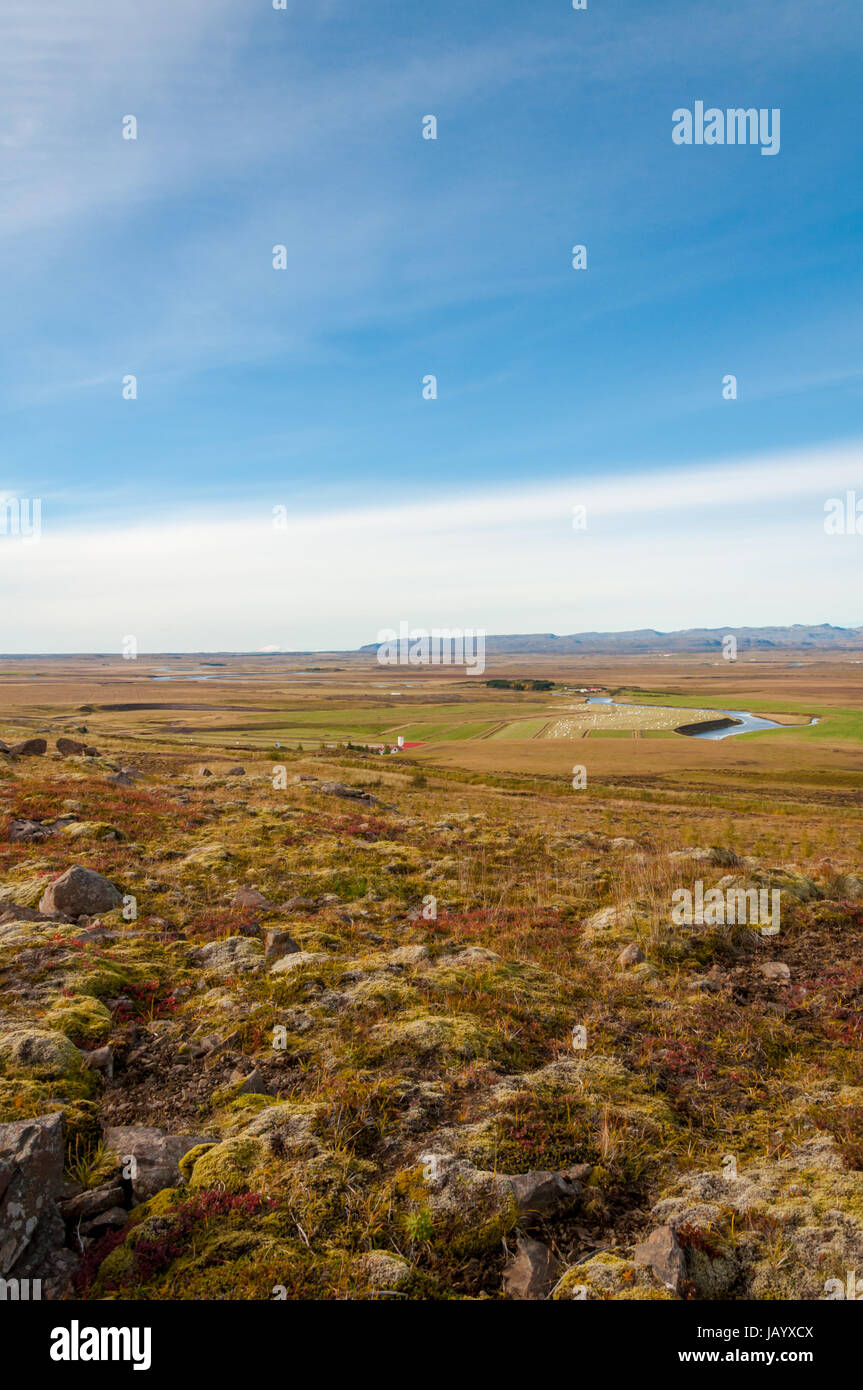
(295, 1273)
(320, 1190)
(230, 1105)
(466, 1051)
(381, 992)
(92, 830)
(456, 1036)
(209, 856)
(128, 966)
(377, 1270)
(82, 1019)
(164, 1202)
(116, 1269)
(188, 1161)
(228, 1166)
(24, 894)
(477, 1240)
(221, 1248)
(105, 982)
(40, 1054)
(610, 1277)
(24, 1100)
(713, 1278)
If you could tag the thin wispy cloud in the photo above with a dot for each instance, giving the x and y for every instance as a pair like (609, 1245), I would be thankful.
(302, 387)
(505, 561)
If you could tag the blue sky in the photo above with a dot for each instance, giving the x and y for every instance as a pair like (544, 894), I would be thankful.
(302, 388)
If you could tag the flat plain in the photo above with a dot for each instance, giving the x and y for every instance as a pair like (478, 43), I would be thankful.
(402, 1017)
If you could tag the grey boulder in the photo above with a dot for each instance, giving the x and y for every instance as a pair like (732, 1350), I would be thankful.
(150, 1158)
(543, 1195)
(80, 893)
(31, 1178)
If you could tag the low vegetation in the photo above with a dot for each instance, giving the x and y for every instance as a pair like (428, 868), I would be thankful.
(397, 1026)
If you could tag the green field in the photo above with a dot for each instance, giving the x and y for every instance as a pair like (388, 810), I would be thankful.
(521, 728)
(838, 723)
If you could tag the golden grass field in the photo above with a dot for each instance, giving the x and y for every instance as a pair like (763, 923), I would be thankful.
(252, 703)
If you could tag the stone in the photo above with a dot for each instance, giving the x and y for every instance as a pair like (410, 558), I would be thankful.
(384, 1270)
(250, 897)
(300, 905)
(630, 955)
(789, 882)
(28, 831)
(236, 772)
(295, 960)
(721, 858)
(234, 955)
(476, 957)
(349, 793)
(101, 1059)
(457, 1188)
(278, 943)
(31, 1178)
(126, 777)
(21, 914)
(543, 1195)
(208, 856)
(645, 973)
(532, 1273)
(40, 1053)
(26, 894)
(609, 917)
(157, 1156)
(255, 1084)
(775, 970)
(91, 1203)
(113, 1219)
(92, 830)
(408, 955)
(72, 747)
(29, 748)
(852, 886)
(80, 893)
(724, 858)
(661, 1253)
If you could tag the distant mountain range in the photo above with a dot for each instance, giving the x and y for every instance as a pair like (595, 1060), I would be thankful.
(823, 637)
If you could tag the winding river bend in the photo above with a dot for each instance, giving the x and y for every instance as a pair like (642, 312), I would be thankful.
(743, 721)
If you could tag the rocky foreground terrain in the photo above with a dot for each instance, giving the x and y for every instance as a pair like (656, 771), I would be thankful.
(336, 1032)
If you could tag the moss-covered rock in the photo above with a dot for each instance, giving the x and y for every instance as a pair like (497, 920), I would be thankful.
(22, 1099)
(188, 1161)
(435, 1035)
(92, 830)
(382, 1270)
(24, 894)
(208, 856)
(81, 1018)
(227, 1166)
(607, 1276)
(40, 1053)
